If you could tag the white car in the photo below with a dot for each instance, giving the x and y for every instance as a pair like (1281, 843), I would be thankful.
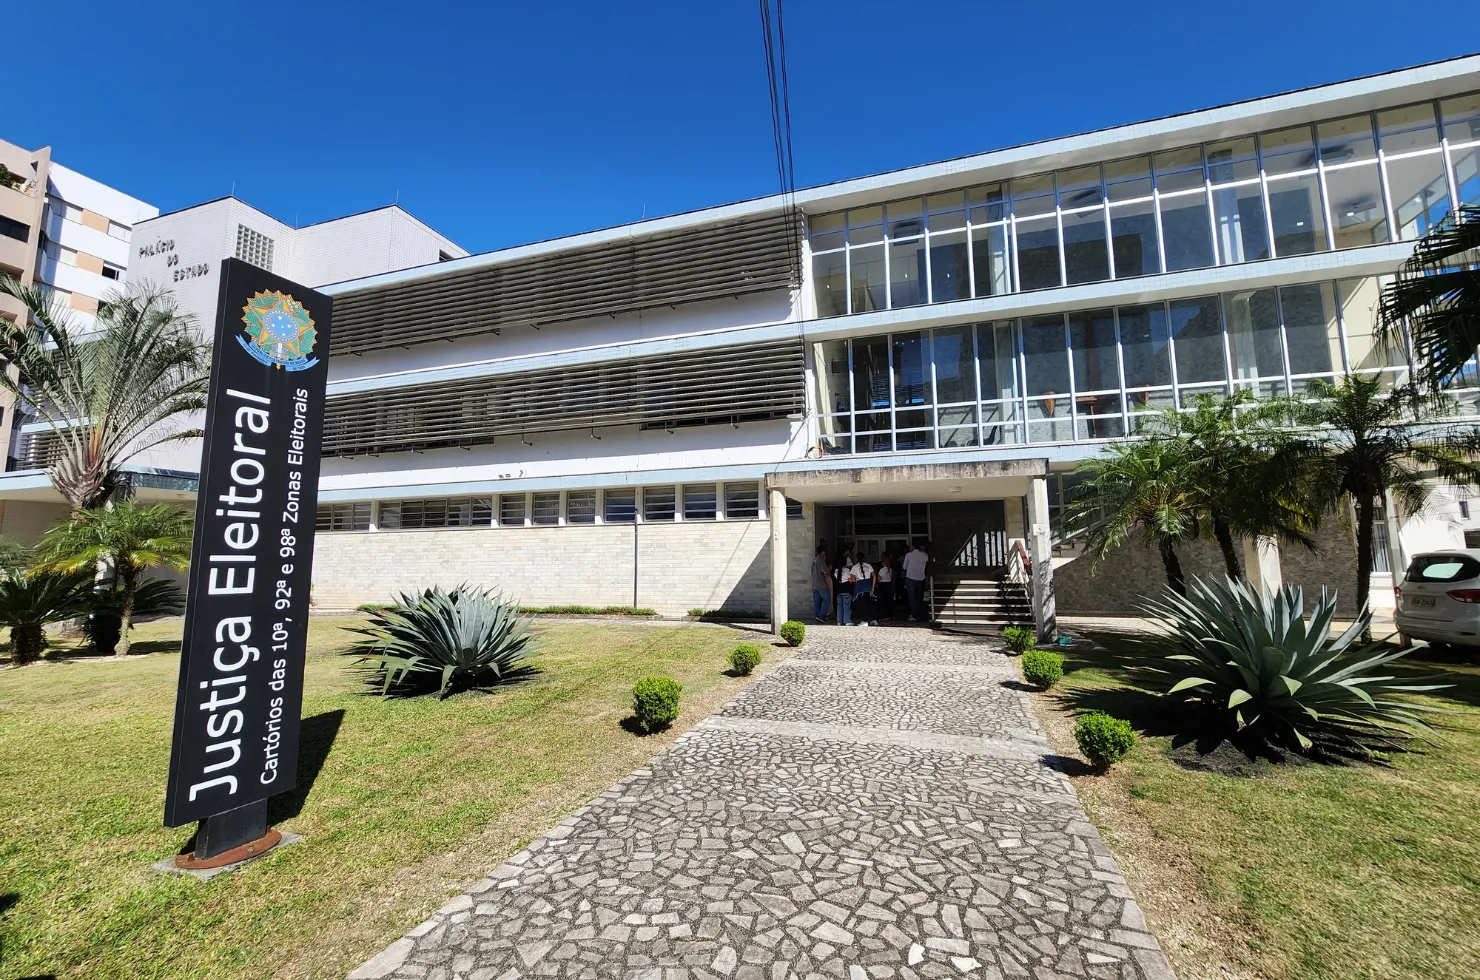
(1439, 599)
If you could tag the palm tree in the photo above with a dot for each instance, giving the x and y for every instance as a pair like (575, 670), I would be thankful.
(1438, 292)
(28, 601)
(1234, 448)
(107, 395)
(1139, 488)
(129, 537)
(1367, 444)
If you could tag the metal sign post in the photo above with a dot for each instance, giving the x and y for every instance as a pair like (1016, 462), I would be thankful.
(246, 618)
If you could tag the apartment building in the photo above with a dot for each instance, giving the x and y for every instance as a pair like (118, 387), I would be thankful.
(674, 413)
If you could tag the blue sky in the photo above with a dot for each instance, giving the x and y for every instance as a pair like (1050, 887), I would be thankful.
(500, 123)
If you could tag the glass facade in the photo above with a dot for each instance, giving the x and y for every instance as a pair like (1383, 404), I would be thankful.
(1085, 375)
(1342, 183)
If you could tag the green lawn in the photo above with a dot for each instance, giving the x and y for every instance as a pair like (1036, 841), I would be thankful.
(409, 801)
(1351, 872)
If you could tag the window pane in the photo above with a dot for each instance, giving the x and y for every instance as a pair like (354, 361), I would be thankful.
(1186, 235)
(511, 508)
(911, 370)
(1143, 341)
(902, 218)
(959, 438)
(1092, 339)
(825, 231)
(907, 273)
(867, 268)
(830, 270)
(1136, 168)
(699, 502)
(1099, 417)
(483, 510)
(997, 349)
(1357, 215)
(989, 253)
(1461, 118)
(1287, 150)
(955, 369)
(620, 506)
(1133, 236)
(1254, 337)
(658, 504)
(580, 507)
(1347, 140)
(1080, 188)
(1047, 359)
(1086, 258)
(1312, 337)
(1197, 335)
(1409, 128)
(1032, 195)
(949, 273)
(546, 509)
(871, 373)
(1239, 216)
(793, 509)
(1295, 212)
(1038, 253)
(1359, 300)
(1232, 160)
(1420, 193)
(1467, 174)
(868, 221)
(830, 364)
(987, 203)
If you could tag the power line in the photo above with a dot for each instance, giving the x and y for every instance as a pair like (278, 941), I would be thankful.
(773, 29)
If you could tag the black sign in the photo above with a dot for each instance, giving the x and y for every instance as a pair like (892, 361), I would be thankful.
(246, 621)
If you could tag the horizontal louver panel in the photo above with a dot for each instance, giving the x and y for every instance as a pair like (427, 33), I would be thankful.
(734, 258)
(730, 383)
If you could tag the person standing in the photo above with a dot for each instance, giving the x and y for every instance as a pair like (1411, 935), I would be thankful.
(822, 585)
(844, 593)
(914, 579)
(884, 592)
(865, 578)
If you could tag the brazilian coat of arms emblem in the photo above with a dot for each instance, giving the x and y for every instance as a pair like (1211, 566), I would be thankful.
(279, 331)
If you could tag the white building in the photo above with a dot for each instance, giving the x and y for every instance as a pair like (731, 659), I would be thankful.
(675, 412)
(183, 250)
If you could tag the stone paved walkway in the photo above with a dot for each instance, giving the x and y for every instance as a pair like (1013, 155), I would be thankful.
(879, 806)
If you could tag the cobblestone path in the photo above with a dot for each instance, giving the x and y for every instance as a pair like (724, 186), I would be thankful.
(879, 806)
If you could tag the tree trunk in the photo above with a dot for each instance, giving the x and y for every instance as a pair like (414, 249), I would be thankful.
(1169, 561)
(1224, 534)
(130, 583)
(26, 642)
(1366, 516)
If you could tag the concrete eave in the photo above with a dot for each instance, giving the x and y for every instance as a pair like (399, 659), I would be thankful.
(918, 482)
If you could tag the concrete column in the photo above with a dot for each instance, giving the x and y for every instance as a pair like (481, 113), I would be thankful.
(1040, 551)
(776, 505)
(1262, 563)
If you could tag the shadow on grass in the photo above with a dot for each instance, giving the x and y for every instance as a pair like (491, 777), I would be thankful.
(316, 737)
(632, 726)
(9, 900)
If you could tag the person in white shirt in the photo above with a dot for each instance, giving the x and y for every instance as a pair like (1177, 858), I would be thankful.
(914, 579)
(864, 579)
(843, 594)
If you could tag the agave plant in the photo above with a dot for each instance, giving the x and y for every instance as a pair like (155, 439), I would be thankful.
(29, 601)
(466, 637)
(1250, 654)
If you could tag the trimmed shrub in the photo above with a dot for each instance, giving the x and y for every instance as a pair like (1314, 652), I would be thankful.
(1042, 668)
(1020, 639)
(745, 658)
(793, 632)
(655, 702)
(1104, 739)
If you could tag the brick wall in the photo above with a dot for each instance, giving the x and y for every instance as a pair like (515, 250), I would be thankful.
(680, 566)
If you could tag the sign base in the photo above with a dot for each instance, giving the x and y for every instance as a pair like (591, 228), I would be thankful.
(231, 831)
(244, 852)
(185, 865)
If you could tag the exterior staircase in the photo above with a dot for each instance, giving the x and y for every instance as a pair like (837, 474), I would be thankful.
(979, 603)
